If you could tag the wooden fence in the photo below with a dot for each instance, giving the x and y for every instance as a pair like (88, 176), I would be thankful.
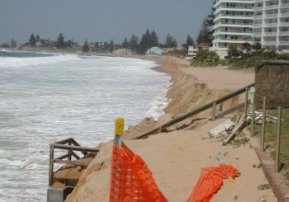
(216, 106)
(278, 125)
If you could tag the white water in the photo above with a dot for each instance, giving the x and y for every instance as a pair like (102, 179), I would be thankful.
(46, 99)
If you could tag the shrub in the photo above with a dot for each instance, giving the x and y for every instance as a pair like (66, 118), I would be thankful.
(205, 57)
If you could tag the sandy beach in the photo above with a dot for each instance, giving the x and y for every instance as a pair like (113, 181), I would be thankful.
(177, 157)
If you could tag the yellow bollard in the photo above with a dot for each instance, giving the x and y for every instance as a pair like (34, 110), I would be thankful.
(119, 126)
(119, 130)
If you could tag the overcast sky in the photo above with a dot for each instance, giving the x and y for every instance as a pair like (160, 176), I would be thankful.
(100, 20)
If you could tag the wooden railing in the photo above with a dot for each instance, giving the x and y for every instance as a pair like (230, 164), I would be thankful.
(214, 105)
(71, 158)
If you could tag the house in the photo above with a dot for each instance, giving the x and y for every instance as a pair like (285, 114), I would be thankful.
(122, 51)
(203, 46)
(192, 51)
(154, 51)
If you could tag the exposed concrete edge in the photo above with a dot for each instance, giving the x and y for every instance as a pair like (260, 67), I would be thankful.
(276, 180)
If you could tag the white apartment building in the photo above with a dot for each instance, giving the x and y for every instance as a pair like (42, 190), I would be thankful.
(271, 24)
(253, 21)
(232, 24)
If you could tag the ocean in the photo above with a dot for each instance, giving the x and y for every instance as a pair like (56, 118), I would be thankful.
(49, 97)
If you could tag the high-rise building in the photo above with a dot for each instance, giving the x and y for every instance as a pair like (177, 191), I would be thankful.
(232, 24)
(271, 24)
(253, 21)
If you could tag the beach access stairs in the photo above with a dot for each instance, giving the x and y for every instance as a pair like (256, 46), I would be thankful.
(75, 158)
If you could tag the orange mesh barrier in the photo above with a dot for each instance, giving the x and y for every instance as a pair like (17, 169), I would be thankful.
(210, 182)
(131, 180)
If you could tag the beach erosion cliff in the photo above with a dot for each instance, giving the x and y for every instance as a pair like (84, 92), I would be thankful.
(175, 157)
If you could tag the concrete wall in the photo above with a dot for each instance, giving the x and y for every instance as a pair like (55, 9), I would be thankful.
(272, 82)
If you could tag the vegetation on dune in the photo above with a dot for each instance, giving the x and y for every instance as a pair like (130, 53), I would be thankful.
(252, 55)
(247, 56)
(270, 138)
(207, 58)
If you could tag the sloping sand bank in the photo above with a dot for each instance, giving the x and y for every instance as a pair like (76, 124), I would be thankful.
(176, 158)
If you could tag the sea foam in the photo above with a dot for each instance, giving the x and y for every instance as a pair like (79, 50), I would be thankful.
(46, 99)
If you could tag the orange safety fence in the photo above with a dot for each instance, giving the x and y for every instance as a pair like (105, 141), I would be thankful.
(131, 180)
(211, 181)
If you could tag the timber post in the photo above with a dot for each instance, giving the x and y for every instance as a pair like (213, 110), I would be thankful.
(253, 112)
(221, 107)
(51, 159)
(278, 138)
(214, 111)
(263, 125)
(246, 104)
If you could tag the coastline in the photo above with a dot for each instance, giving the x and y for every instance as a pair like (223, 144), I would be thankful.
(185, 148)
(181, 152)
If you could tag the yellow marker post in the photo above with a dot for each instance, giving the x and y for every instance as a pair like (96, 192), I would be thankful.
(119, 130)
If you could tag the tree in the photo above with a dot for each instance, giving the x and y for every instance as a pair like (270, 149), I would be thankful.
(206, 32)
(60, 41)
(85, 47)
(210, 18)
(246, 47)
(125, 43)
(32, 40)
(37, 37)
(189, 42)
(13, 43)
(256, 46)
(148, 40)
(145, 42)
(111, 46)
(154, 41)
(133, 43)
(170, 42)
(205, 36)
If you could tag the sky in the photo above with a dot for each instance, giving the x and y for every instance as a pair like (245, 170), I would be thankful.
(100, 20)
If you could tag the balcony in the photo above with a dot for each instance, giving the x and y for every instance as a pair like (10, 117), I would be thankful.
(270, 33)
(284, 33)
(255, 34)
(232, 33)
(273, 24)
(284, 24)
(258, 17)
(284, 14)
(233, 1)
(259, 8)
(244, 9)
(234, 16)
(271, 7)
(228, 24)
(274, 15)
(237, 41)
(284, 43)
(285, 5)
(269, 43)
(259, 25)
